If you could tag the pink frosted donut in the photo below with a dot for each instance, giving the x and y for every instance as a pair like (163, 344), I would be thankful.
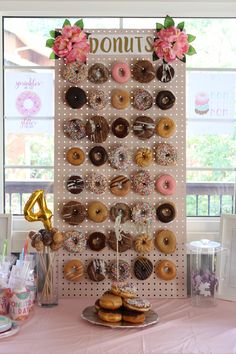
(165, 184)
(121, 72)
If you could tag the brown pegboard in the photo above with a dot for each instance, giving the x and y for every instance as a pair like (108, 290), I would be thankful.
(152, 287)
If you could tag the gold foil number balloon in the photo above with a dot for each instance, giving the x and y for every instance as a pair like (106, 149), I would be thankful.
(44, 214)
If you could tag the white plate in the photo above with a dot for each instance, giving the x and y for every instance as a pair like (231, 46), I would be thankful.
(14, 329)
(5, 324)
(89, 314)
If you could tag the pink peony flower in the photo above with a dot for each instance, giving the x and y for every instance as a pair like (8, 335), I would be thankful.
(79, 52)
(74, 33)
(62, 46)
(164, 50)
(169, 34)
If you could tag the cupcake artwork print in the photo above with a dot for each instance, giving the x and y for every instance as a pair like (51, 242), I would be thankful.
(201, 103)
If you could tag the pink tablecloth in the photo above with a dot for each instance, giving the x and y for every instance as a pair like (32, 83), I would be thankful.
(182, 329)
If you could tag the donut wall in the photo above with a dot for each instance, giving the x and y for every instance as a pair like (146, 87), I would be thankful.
(131, 47)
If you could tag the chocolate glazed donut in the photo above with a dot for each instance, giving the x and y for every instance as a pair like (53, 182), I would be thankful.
(73, 212)
(97, 270)
(120, 128)
(75, 97)
(96, 241)
(143, 268)
(97, 129)
(165, 100)
(166, 212)
(98, 155)
(123, 245)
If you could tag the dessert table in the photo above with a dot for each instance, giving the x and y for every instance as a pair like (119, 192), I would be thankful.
(181, 329)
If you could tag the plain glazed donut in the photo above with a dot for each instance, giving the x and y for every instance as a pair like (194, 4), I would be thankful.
(166, 270)
(165, 99)
(121, 72)
(75, 156)
(98, 155)
(120, 99)
(110, 316)
(120, 186)
(73, 270)
(165, 241)
(165, 184)
(97, 212)
(166, 212)
(144, 157)
(165, 127)
(143, 71)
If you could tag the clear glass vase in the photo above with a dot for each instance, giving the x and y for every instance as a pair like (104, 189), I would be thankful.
(47, 279)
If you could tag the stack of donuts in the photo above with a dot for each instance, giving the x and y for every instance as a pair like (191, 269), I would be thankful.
(121, 303)
(112, 178)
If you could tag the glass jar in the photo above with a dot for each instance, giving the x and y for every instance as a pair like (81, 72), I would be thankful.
(203, 272)
(47, 279)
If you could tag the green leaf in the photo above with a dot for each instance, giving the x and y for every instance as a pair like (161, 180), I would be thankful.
(191, 38)
(191, 50)
(53, 34)
(66, 23)
(181, 26)
(184, 59)
(52, 56)
(79, 24)
(169, 22)
(154, 56)
(159, 26)
(50, 43)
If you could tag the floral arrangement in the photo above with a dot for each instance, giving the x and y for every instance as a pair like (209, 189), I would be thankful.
(70, 43)
(204, 282)
(171, 42)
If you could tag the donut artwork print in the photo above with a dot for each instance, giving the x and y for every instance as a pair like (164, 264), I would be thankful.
(132, 171)
(28, 103)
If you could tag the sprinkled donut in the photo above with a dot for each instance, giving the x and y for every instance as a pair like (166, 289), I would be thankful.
(143, 268)
(98, 155)
(165, 100)
(97, 99)
(165, 184)
(120, 128)
(142, 99)
(73, 212)
(120, 186)
(119, 157)
(165, 241)
(121, 209)
(123, 245)
(96, 241)
(143, 213)
(97, 270)
(74, 129)
(75, 72)
(98, 73)
(143, 157)
(144, 127)
(74, 241)
(96, 183)
(97, 129)
(75, 184)
(142, 182)
(75, 156)
(166, 212)
(75, 97)
(165, 127)
(143, 71)
(166, 154)
(143, 243)
(137, 304)
(124, 270)
(165, 269)
(120, 99)
(121, 72)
